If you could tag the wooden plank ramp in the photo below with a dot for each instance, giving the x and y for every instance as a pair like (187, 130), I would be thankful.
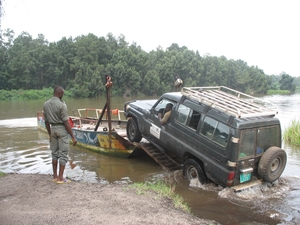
(164, 160)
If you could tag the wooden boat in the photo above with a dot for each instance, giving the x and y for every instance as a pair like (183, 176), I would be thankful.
(98, 135)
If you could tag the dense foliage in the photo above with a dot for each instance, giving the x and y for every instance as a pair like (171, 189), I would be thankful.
(79, 65)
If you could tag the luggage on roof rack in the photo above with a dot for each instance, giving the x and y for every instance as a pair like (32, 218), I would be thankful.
(230, 101)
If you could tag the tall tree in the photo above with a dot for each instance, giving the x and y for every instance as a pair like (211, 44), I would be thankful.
(85, 66)
(125, 69)
(6, 42)
(21, 65)
(286, 82)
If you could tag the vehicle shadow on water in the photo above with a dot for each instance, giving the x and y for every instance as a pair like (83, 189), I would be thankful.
(275, 203)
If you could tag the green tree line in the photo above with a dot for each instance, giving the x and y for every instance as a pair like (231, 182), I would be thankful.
(80, 65)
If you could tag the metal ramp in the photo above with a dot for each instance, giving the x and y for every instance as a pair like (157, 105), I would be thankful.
(230, 101)
(164, 160)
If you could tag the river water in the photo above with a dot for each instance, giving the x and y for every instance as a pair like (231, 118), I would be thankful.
(23, 149)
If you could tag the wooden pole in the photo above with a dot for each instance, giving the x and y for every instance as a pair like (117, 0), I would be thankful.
(100, 118)
(108, 86)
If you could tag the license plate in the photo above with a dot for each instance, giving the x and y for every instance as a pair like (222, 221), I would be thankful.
(245, 177)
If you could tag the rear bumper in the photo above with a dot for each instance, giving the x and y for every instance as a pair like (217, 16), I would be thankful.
(252, 183)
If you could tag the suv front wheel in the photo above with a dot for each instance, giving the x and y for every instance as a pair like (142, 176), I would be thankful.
(193, 170)
(272, 164)
(133, 132)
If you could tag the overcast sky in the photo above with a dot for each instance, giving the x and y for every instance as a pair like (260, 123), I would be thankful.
(263, 33)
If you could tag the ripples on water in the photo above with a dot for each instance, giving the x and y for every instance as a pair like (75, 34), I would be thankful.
(278, 203)
(21, 150)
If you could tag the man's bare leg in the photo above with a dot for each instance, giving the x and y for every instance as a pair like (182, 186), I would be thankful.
(54, 167)
(61, 172)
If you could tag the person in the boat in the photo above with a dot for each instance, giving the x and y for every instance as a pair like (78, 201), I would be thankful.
(164, 118)
(58, 127)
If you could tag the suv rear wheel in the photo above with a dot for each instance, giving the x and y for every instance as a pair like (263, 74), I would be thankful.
(272, 164)
(133, 132)
(193, 170)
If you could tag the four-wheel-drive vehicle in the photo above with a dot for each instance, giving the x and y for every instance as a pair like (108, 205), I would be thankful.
(217, 133)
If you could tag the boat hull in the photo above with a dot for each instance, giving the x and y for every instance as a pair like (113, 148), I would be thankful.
(102, 141)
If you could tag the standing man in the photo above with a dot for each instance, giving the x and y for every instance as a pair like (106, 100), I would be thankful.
(178, 83)
(56, 115)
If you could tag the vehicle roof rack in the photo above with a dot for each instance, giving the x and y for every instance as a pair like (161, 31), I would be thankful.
(230, 101)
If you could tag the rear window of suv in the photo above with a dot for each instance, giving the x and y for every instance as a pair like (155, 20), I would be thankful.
(261, 139)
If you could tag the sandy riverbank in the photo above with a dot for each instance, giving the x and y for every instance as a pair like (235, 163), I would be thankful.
(35, 199)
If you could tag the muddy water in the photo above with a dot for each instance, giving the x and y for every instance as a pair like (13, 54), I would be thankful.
(25, 150)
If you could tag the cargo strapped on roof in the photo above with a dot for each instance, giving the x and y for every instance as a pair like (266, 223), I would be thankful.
(230, 101)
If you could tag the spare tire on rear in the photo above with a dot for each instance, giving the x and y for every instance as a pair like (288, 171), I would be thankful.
(272, 164)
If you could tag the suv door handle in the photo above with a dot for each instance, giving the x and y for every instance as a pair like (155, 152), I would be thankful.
(216, 160)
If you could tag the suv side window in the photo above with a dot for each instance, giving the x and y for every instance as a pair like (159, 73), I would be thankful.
(194, 119)
(182, 114)
(216, 131)
(188, 116)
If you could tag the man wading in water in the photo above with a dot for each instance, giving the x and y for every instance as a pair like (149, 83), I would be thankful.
(56, 115)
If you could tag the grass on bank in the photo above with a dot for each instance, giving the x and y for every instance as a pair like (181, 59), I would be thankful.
(292, 134)
(2, 174)
(282, 92)
(162, 190)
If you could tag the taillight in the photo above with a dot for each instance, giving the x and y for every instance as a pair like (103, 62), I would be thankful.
(230, 178)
